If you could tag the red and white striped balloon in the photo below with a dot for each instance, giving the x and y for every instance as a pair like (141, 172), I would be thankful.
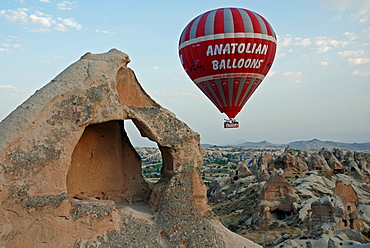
(227, 52)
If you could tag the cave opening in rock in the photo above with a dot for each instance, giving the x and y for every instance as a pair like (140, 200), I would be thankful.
(105, 165)
(280, 214)
(345, 223)
(279, 165)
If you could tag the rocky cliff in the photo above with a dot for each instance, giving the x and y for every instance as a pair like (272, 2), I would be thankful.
(71, 178)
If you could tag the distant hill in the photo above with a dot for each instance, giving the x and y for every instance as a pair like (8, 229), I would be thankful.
(318, 144)
(308, 144)
(260, 144)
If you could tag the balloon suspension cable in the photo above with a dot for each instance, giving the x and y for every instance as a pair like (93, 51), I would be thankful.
(231, 123)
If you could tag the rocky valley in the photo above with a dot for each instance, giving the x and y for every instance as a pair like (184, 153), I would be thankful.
(283, 197)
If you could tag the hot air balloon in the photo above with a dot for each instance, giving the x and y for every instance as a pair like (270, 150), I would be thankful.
(227, 52)
(253, 161)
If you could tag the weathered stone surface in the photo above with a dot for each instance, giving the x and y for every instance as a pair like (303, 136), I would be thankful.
(350, 201)
(332, 161)
(289, 163)
(363, 161)
(241, 171)
(276, 201)
(71, 178)
(317, 162)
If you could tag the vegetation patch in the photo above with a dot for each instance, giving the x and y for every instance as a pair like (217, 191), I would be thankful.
(267, 237)
(234, 213)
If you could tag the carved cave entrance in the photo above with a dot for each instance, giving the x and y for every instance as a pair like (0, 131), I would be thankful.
(106, 166)
(279, 214)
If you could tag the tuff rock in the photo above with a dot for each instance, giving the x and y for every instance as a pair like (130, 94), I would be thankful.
(319, 197)
(276, 201)
(70, 176)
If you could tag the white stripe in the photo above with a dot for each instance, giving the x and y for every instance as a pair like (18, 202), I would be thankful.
(218, 83)
(228, 75)
(253, 90)
(225, 36)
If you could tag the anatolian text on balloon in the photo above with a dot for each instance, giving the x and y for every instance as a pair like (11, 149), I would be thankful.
(231, 48)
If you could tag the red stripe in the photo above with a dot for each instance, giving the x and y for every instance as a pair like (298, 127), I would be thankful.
(270, 56)
(268, 27)
(201, 25)
(209, 94)
(187, 32)
(255, 22)
(215, 89)
(252, 89)
(225, 89)
(238, 21)
(235, 90)
(243, 93)
(219, 22)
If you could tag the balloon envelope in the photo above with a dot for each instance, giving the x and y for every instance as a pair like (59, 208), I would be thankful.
(253, 161)
(227, 52)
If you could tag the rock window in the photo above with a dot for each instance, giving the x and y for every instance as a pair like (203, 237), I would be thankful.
(106, 166)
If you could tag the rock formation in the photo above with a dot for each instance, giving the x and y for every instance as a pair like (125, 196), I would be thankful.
(276, 201)
(363, 161)
(320, 198)
(261, 169)
(350, 201)
(317, 162)
(332, 161)
(241, 170)
(287, 162)
(71, 178)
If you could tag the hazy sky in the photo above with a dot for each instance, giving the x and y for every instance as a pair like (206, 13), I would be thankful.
(318, 87)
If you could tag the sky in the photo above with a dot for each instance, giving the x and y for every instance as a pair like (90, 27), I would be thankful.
(318, 86)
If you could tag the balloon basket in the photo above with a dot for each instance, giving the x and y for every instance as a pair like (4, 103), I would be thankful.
(231, 123)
